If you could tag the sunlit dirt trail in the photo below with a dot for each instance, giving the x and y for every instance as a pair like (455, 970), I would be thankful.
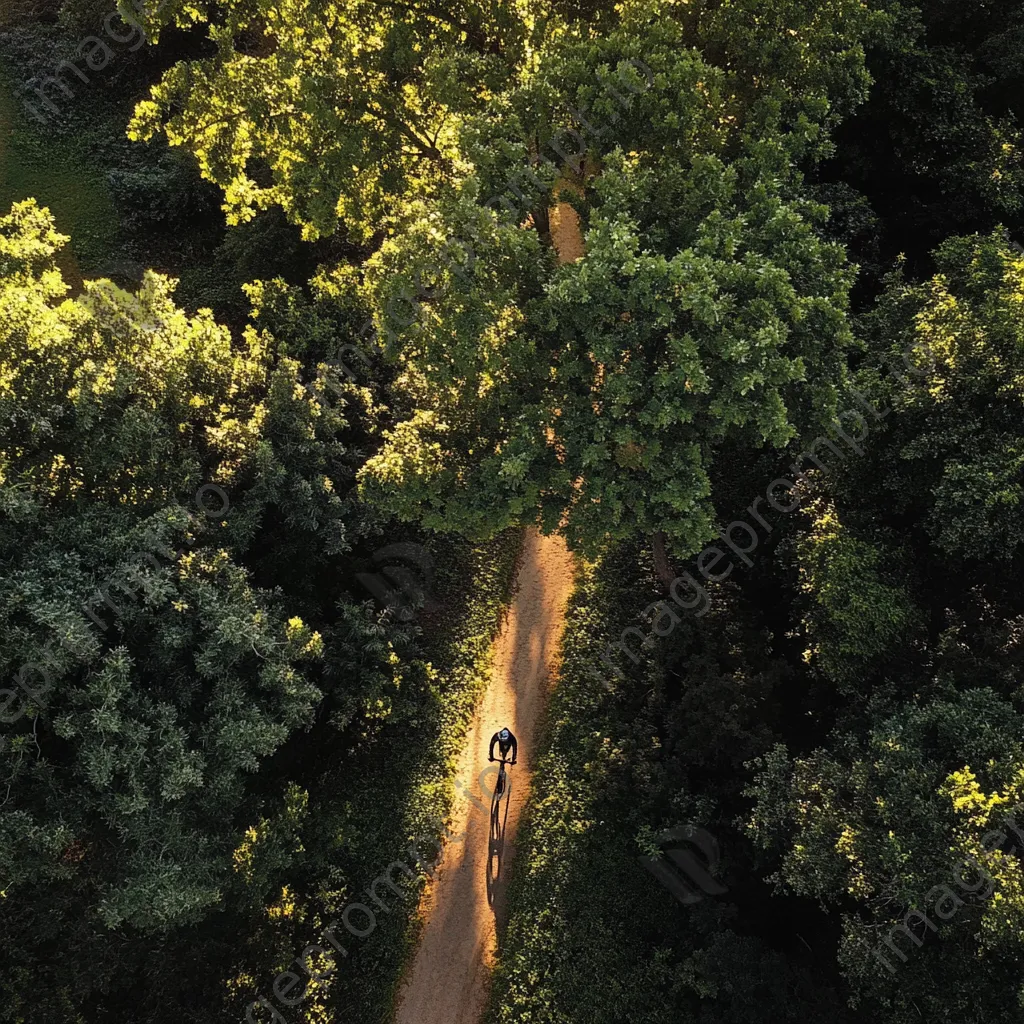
(465, 907)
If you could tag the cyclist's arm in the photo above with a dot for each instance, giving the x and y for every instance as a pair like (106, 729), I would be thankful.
(515, 748)
(494, 739)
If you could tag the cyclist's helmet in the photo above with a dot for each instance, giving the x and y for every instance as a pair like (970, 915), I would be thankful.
(504, 734)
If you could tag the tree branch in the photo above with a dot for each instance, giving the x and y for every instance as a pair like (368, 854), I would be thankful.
(472, 32)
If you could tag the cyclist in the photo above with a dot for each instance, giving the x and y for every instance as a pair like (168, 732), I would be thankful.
(506, 740)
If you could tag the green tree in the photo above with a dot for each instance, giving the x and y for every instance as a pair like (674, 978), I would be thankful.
(915, 818)
(152, 655)
(858, 616)
(598, 394)
(953, 345)
(331, 110)
(706, 312)
(937, 148)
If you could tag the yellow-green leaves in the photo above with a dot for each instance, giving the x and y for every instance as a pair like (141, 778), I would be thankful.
(339, 112)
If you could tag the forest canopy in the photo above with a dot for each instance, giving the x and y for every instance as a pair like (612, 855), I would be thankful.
(311, 311)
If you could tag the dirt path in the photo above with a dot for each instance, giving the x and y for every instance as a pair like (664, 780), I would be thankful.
(465, 908)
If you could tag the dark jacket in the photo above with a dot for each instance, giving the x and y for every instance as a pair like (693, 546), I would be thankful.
(504, 747)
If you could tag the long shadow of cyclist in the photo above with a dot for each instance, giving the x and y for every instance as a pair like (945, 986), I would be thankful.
(496, 845)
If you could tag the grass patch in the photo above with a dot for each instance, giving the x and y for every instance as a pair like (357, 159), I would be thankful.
(56, 169)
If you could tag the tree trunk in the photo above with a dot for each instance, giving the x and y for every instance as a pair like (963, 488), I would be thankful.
(662, 565)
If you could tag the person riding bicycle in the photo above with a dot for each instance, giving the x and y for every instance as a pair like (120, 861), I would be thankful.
(506, 741)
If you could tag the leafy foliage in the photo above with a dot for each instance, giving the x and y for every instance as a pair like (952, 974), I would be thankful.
(346, 106)
(912, 816)
(211, 737)
(598, 394)
(857, 616)
(937, 147)
(958, 396)
(154, 471)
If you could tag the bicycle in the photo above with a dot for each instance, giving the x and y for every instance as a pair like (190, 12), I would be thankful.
(496, 846)
(499, 786)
